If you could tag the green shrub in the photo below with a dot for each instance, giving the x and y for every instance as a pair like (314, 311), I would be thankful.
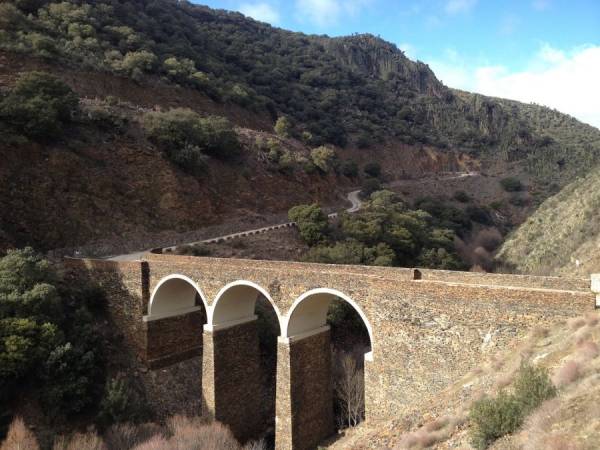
(372, 169)
(461, 196)
(137, 63)
(495, 417)
(68, 388)
(369, 186)
(311, 221)
(193, 250)
(38, 106)
(518, 201)
(120, 403)
(47, 334)
(533, 386)
(349, 169)
(511, 184)
(497, 204)
(479, 214)
(283, 127)
(323, 158)
(185, 136)
(180, 70)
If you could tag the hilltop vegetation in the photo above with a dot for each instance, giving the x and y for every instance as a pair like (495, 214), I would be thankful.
(357, 89)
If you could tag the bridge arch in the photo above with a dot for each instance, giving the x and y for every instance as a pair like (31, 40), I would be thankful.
(236, 302)
(309, 314)
(174, 295)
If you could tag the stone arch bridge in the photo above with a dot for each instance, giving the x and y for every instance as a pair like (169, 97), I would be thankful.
(426, 328)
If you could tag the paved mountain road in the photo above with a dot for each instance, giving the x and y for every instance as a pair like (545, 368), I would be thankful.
(352, 197)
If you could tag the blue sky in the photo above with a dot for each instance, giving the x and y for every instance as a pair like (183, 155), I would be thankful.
(545, 51)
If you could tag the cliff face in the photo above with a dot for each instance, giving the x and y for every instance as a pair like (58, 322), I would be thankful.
(377, 58)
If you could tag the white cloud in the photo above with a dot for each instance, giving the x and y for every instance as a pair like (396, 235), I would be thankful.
(408, 49)
(325, 13)
(459, 6)
(564, 80)
(263, 12)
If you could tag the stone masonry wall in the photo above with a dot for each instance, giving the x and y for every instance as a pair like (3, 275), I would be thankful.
(125, 285)
(174, 338)
(304, 393)
(231, 379)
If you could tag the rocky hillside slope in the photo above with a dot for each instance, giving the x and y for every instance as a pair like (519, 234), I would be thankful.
(570, 420)
(358, 94)
(563, 236)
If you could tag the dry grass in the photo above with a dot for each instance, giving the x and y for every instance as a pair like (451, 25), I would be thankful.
(196, 434)
(19, 437)
(79, 441)
(431, 433)
(576, 323)
(587, 350)
(182, 433)
(126, 436)
(155, 443)
(566, 374)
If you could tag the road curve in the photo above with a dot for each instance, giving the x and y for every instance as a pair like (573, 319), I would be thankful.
(352, 197)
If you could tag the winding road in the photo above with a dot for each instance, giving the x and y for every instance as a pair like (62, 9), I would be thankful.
(352, 197)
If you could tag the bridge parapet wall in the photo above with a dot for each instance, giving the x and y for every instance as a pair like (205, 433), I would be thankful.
(512, 280)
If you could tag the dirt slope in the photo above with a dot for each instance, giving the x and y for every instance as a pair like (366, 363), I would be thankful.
(571, 420)
(563, 236)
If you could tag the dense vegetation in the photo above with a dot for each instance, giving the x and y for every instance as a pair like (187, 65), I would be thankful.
(37, 108)
(48, 340)
(188, 139)
(386, 232)
(357, 89)
(53, 347)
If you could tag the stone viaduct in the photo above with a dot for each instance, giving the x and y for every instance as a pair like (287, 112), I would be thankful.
(426, 328)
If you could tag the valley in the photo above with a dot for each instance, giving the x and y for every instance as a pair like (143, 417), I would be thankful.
(216, 233)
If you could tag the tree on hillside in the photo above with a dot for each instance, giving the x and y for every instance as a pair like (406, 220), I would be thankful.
(46, 335)
(323, 158)
(39, 105)
(187, 138)
(311, 221)
(283, 127)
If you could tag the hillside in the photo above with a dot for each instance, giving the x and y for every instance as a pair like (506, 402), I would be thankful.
(568, 350)
(359, 95)
(563, 236)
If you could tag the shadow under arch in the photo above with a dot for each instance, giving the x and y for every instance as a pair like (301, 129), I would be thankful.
(236, 302)
(173, 324)
(240, 360)
(308, 314)
(176, 294)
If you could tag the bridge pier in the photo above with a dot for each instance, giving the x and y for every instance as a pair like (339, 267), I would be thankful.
(231, 384)
(304, 404)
